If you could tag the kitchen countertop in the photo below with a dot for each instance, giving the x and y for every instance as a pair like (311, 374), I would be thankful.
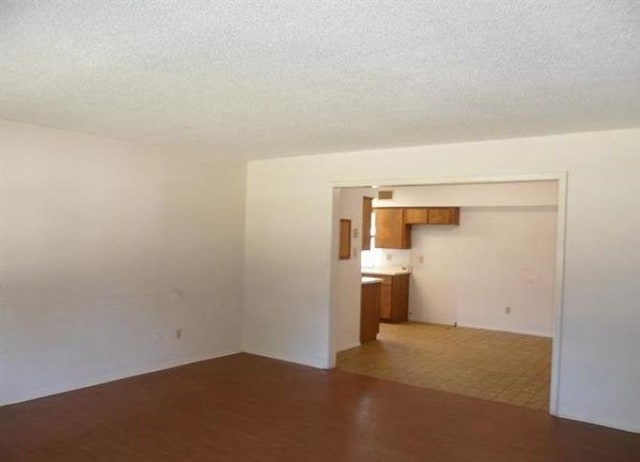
(387, 270)
(369, 280)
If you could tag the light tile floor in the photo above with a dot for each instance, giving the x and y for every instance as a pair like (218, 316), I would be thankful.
(499, 366)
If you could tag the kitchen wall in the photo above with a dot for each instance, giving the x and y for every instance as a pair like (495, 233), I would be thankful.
(289, 225)
(501, 255)
(105, 252)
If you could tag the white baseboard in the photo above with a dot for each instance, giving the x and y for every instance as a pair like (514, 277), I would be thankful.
(348, 346)
(486, 327)
(502, 329)
(311, 362)
(602, 423)
(54, 390)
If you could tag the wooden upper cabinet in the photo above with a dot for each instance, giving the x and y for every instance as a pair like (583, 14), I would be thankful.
(391, 230)
(443, 216)
(416, 216)
(393, 224)
(367, 208)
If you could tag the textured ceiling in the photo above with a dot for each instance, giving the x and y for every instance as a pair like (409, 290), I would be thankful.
(260, 79)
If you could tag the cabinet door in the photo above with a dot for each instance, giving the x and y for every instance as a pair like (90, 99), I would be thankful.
(391, 231)
(369, 312)
(415, 216)
(444, 215)
(385, 301)
(400, 298)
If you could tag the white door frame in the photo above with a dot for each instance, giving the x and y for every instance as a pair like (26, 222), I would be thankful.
(561, 178)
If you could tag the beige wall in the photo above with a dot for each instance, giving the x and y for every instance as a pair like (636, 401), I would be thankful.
(288, 248)
(106, 250)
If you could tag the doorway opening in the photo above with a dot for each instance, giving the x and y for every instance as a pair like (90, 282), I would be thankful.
(483, 302)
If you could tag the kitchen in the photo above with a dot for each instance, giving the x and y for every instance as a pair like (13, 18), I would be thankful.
(477, 256)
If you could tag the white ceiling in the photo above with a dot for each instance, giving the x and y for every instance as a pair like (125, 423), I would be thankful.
(260, 79)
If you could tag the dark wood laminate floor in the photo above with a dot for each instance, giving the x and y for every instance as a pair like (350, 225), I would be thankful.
(248, 408)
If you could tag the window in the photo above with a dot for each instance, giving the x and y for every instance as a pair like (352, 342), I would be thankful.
(367, 256)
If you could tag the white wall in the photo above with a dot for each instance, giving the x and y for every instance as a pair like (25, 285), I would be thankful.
(498, 257)
(105, 251)
(289, 215)
(433, 284)
(507, 257)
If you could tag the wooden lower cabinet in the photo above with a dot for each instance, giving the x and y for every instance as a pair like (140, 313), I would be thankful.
(385, 299)
(394, 297)
(369, 312)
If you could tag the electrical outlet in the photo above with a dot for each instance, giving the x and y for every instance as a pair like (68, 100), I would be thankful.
(507, 310)
(178, 333)
(420, 259)
(389, 257)
(356, 233)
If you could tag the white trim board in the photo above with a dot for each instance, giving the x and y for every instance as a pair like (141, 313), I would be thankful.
(601, 423)
(500, 329)
(347, 347)
(317, 363)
